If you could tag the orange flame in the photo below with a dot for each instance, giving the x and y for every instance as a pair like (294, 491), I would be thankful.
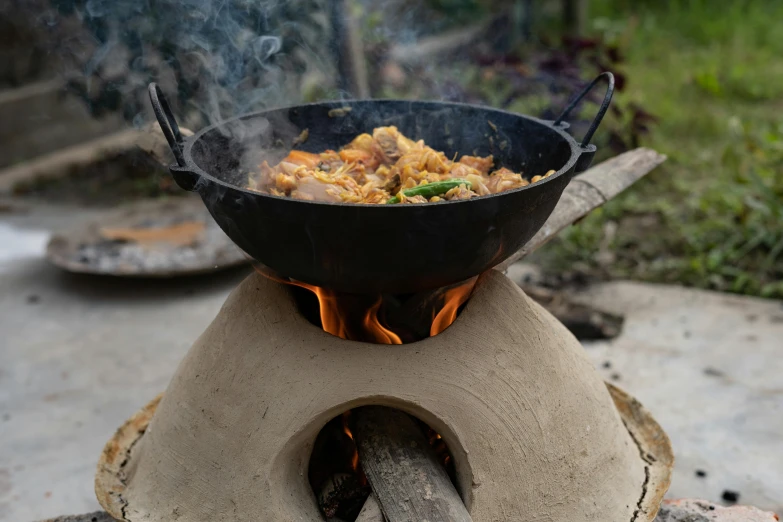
(331, 320)
(333, 311)
(347, 431)
(374, 327)
(327, 302)
(452, 300)
(333, 316)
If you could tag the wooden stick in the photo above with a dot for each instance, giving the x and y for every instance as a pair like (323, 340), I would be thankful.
(588, 191)
(404, 473)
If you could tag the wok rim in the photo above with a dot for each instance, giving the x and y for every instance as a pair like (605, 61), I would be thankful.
(192, 167)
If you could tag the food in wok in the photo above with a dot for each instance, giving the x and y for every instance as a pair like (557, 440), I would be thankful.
(385, 168)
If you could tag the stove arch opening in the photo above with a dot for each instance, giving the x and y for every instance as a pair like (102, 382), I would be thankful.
(334, 471)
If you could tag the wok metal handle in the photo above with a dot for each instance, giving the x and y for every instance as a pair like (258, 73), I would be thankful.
(601, 111)
(167, 122)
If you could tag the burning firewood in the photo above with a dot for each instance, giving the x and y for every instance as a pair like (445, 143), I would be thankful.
(404, 472)
(339, 491)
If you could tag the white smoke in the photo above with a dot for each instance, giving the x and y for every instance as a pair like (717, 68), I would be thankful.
(213, 58)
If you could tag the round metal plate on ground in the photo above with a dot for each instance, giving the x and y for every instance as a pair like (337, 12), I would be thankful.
(653, 443)
(155, 238)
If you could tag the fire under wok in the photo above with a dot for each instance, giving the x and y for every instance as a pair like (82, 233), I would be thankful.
(366, 248)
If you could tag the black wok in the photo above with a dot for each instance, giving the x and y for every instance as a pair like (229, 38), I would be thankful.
(379, 248)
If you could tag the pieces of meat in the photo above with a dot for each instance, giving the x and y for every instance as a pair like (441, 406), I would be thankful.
(392, 185)
(362, 157)
(390, 144)
(363, 142)
(505, 179)
(480, 164)
(302, 158)
(373, 168)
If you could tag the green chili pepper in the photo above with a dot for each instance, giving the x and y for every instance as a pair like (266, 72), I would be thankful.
(432, 189)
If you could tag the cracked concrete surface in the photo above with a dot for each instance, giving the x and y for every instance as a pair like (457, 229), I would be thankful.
(80, 354)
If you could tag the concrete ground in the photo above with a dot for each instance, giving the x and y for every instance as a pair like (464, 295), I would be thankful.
(79, 355)
(708, 366)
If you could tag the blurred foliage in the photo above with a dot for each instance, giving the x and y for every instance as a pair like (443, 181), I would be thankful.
(712, 215)
(538, 79)
(461, 10)
(700, 84)
(22, 58)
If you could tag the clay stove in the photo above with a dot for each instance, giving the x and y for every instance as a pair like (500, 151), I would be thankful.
(534, 432)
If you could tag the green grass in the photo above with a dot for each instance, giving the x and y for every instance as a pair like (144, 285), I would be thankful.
(712, 215)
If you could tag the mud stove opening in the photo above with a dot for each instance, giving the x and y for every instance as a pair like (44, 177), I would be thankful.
(335, 470)
(378, 318)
